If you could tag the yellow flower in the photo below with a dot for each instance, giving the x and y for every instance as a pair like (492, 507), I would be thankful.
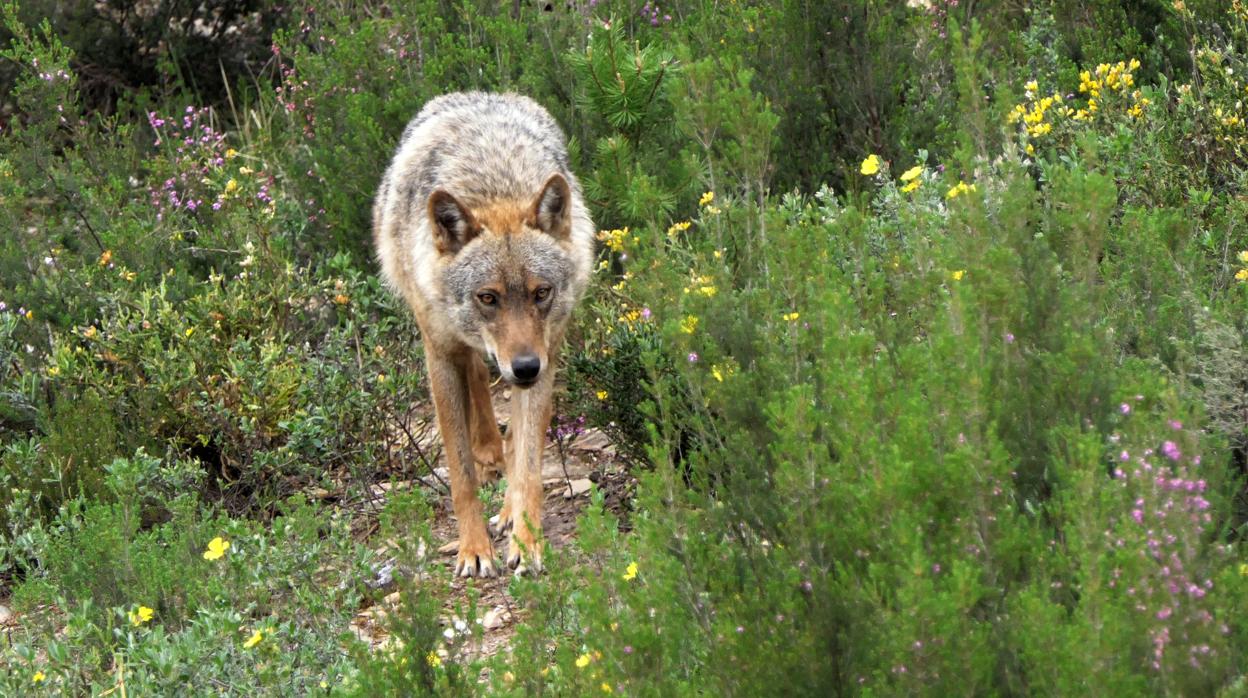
(1243, 256)
(54, 371)
(1241, 275)
(631, 572)
(582, 661)
(717, 375)
(1032, 86)
(959, 189)
(614, 239)
(870, 166)
(254, 640)
(601, 394)
(707, 198)
(1243, 569)
(190, 331)
(957, 275)
(342, 299)
(689, 325)
(141, 616)
(791, 317)
(30, 315)
(606, 687)
(90, 332)
(914, 184)
(911, 173)
(105, 258)
(38, 677)
(678, 228)
(433, 660)
(216, 548)
(231, 154)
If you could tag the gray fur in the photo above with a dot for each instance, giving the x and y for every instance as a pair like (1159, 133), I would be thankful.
(484, 150)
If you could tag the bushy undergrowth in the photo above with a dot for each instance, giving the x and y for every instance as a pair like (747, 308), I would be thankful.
(922, 326)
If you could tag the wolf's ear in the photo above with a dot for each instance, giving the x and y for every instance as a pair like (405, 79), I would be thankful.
(550, 212)
(453, 224)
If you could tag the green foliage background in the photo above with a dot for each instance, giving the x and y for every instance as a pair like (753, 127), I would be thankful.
(922, 325)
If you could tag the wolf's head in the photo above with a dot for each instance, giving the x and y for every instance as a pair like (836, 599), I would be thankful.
(507, 274)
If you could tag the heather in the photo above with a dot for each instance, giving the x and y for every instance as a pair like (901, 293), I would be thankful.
(914, 361)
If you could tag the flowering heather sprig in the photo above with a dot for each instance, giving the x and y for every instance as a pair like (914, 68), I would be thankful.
(566, 428)
(652, 14)
(291, 95)
(1168, 518)
(197, 149)
(938, 10)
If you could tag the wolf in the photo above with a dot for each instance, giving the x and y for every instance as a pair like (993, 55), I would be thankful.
(481, 227)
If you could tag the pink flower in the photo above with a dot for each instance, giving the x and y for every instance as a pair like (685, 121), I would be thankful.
(1171, 450)
(1124, 408)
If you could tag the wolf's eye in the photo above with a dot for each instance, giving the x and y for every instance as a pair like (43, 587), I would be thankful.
(542, 293)
(487, 298)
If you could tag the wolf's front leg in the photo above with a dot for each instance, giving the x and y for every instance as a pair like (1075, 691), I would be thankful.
(530, 417)
(448, 380)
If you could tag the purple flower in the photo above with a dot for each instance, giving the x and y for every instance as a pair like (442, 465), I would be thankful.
(1124, 408)
(1171, 450)
(693, 357)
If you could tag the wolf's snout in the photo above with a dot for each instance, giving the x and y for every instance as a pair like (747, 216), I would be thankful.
(525, 368)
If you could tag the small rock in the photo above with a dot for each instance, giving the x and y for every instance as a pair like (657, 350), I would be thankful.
(496, 618)
(6, 615)
(591, 440)
(577, 488)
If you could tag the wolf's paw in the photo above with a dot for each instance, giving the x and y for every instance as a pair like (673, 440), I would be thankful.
(524, 558)
(475, 557)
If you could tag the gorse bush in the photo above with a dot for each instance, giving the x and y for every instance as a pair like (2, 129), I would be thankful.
(920, 326)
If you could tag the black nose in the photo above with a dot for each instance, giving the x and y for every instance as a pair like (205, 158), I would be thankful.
(525, 368)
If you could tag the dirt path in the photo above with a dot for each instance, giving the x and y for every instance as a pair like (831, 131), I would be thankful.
(587, 460)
